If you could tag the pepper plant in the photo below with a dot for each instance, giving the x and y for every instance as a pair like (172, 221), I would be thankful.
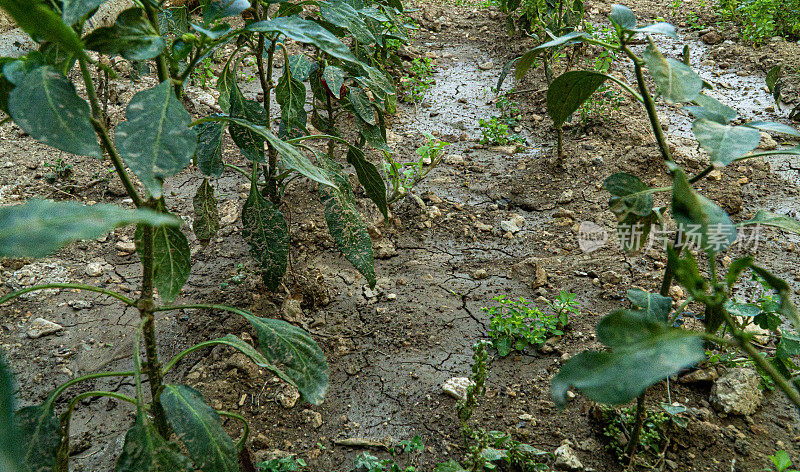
(642, 346)
(155, 142)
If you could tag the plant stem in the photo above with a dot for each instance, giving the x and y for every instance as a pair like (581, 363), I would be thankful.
(243, 440)
(88, 288)
(161, 61)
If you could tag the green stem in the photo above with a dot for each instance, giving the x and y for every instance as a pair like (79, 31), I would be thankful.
(237, 169)
(702, 174)
(162, 69)
(58, 391)
(243, 440)
(88, 288)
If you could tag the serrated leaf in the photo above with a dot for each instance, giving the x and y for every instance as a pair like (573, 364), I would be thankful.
(46, 106)
(674, 80)
(267, 234)
(251, 144)
(291, 156)
(145, 450)
(40, 434)
(171, 260)
(654, 306)
(305, 31)
(362, 105)
(156, 141)
(345, 224)
(74, 10)
(199, 428)
(291, 96)
(132, 36)
(343, 15)
(568, 92)
(618, 376)
(725, 143)
(334, 78)
(37, 18)
(301, 359)
(623, 17)
(301, 67)
(218, 9)
(206, 212)
(774, 127)
(41, 227)
(703, 223)
(209, 148)
(370, 178)
(765, 218)
(11, 451)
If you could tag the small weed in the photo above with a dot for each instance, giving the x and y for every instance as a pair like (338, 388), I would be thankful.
(618, 423)
(409, 449)
(58, 171)
(284, 464)
(204, 73)
(236, 279)
(497, 133)
(781, 461)
(515, 324)
(405, 176)
(419, 80)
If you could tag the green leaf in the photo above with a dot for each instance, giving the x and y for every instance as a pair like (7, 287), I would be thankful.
(334, 78)
(305, 31)
(246, 349)
(249, 142)
(789, 346)
(267, 234)
(658, 28)
(345, 224)
(218, 9)
(292, 157)
(712, 105)
(774, 127)
(341, 14)
(11, 454)
(676, 81)
(224, 83)
(370, 178)
(568, 92)
(302, 359)
(725, 143)
(291, 96)
(704, 224)
(787, 308)
(772, 77)
(301, 67)
(655, 307)
(46, 106)
(629, 196)
(200, 429)
(213, 33)
(36, 18)
(74, 10)
(622, 17)
(40, 433)
(146, 450)
(209, 148)
(156, 141)
(171, 260)
(206, 212)
(362, 105)
(616, 377)
(765, 218)
(449, 466)
(41, 227)
(132, 37)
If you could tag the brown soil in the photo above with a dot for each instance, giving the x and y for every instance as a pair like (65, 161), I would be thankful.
(389, 355)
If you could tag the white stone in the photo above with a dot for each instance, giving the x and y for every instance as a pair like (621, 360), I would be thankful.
(456, 387)
(42, 327)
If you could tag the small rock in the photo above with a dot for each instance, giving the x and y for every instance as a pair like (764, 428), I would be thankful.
(737, 392)
(700, 376)
(513, 225)
(768, 143)
(526, 417)
(42, 327)
(486, 65)
(610, 277)
(566, 459)
(566, 197)
(94, 269)
(125, 247)
(712, 38)
(484, 227)
(456, 387)
(480, 274)
(532, 271)
(288, 396)
(291, 311)
(384, 249)
(715, 175)
(508, 150)
(80, 304)
(314, 418)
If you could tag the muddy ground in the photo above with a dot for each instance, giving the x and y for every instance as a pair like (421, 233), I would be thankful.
(438, 264)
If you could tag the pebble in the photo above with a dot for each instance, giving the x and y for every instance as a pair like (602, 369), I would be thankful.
(480, 274)
(125, 247)
(94, 269)
(42, 327)
(456, 387)
(566, 459)
(514, 224)
(737, 392)
(486, 65)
